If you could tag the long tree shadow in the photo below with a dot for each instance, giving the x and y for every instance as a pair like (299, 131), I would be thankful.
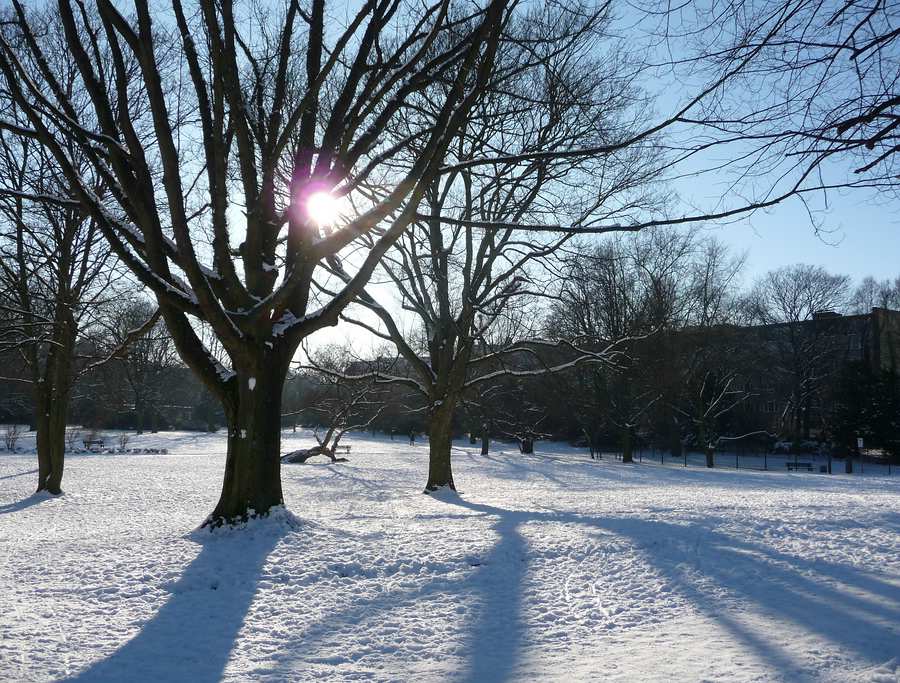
(768, 583)
(25, 503)
(752, 591)
(495, 639)
(19, 474)
(191, 637)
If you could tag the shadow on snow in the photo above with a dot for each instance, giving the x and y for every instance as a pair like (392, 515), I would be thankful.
(192, 635)
(850, 608)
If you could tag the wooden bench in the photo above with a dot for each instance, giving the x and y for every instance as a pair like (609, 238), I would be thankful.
(799, 466)
(91, 444)
(343, 448)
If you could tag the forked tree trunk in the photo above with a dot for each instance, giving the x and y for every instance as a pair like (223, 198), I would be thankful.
(440, 443)
(252, 484)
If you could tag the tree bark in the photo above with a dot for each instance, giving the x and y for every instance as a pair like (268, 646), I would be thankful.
(675, 446)
(252, 484)
(708, 450)
(627, 446)
(440, 443)
(51, 409)
(485, 439)
(139, 415)
(51, 402)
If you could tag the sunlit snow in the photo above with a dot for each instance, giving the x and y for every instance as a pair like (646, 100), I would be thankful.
(549, 567)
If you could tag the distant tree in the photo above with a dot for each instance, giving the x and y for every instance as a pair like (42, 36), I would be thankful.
(797, 293)
(802, 355)
(866, 404)
(145, 361)
(630, 287)
(871, 293)
(338, 405)
(711, 358)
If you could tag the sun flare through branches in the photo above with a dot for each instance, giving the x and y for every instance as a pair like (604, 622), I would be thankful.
(322, 208)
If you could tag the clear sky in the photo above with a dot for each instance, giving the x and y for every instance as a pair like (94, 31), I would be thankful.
(860, 236)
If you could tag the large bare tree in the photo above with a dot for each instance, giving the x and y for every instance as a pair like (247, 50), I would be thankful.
(215, 127)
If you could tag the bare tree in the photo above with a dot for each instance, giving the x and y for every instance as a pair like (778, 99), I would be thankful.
(794, 305)
(54, 271)
(673, 294)
(797, 293)
(629, 287)
(145, 362)
(338, 406)
(871, 293)
(279, 112)
(473, 262)
(819, 100)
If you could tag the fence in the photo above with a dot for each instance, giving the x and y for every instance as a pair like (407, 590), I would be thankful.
(748, 459)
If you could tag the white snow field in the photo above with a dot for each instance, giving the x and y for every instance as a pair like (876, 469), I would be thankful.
(549, 567)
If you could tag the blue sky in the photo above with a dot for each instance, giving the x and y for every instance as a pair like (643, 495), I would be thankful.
(861, 239)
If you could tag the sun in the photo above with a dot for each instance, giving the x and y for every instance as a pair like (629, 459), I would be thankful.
(322, 207)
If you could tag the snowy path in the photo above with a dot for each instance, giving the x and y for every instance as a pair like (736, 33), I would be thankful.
(544, 568)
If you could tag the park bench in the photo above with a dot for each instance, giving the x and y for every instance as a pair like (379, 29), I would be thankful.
(343, 448)
(91, 444)
(799, 466)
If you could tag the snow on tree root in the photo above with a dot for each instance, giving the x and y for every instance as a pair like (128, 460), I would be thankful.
(278, 520)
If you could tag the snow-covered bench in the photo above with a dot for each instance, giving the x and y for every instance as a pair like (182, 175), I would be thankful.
(91, 444)
(344, 448)
(799, 466)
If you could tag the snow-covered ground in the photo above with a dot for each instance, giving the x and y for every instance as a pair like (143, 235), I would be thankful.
(549, 567)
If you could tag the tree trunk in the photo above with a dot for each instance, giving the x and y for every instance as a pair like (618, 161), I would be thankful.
(52, 394)
(627, 446)
(675, 446)
(50, 420)
(41, 422)
(252, 484)
(139, 415)
(526, 445)
(485, 439)
(440, 443)
(708, 449)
